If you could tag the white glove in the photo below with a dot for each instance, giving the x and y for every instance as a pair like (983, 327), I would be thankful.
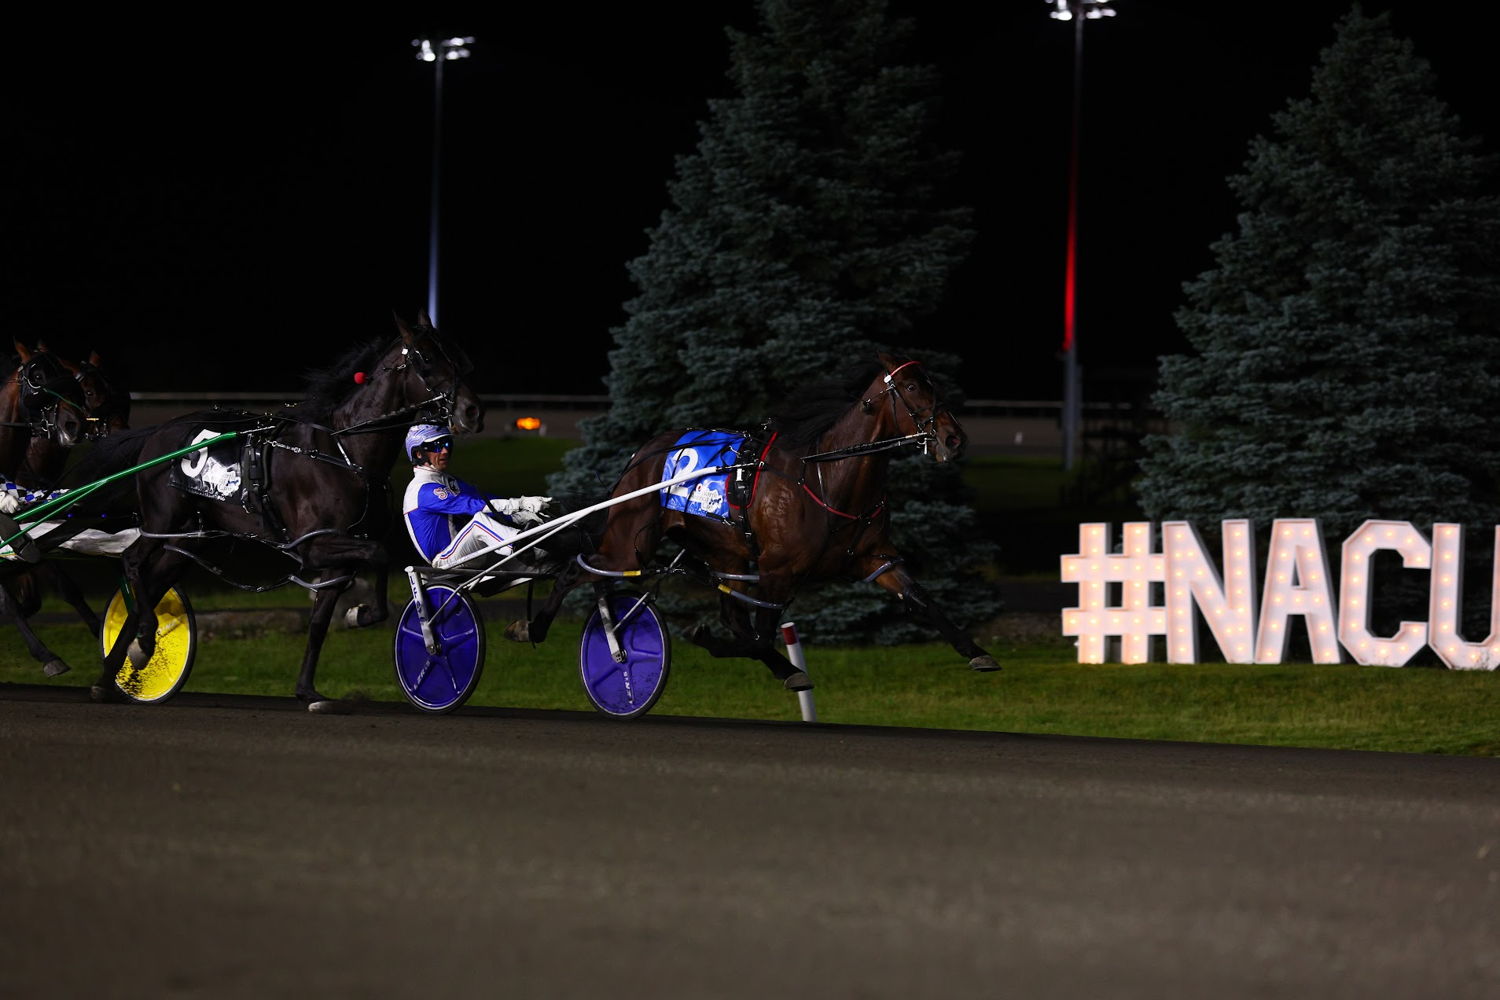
(521, 505)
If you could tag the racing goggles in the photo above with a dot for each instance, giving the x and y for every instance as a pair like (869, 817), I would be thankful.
(438, 444)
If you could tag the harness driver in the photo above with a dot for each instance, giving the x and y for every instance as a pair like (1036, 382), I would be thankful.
(447, 518)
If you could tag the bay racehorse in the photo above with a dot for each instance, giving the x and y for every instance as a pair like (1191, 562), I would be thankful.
(309, 484)
(47, 405)
(810, 506)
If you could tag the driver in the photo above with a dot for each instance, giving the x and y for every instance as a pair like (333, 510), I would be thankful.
(446, 517)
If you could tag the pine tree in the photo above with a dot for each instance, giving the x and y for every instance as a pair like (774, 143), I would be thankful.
(806, 230)
(1345, 357)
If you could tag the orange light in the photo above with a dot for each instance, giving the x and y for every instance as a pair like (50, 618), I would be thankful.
(528, 423)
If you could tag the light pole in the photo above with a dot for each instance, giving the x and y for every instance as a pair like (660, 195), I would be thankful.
(441, 51)
(1077, 11)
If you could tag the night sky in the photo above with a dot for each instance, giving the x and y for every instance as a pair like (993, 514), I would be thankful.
(220, 208)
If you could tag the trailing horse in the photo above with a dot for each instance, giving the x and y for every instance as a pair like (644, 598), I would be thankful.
(309, 484)
(806, 502)
(46, 405)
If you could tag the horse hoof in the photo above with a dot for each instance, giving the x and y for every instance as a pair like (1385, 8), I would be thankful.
(329, 706)
(983, 664)
(138, 657)
(701, 635)
(351, 617)
(54, 667)
(518, 631)
(799, 681)
(105, 694)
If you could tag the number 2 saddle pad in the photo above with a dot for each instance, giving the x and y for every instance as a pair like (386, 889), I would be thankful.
(707, 496)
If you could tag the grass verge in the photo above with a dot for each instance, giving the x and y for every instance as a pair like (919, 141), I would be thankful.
(1040, 690)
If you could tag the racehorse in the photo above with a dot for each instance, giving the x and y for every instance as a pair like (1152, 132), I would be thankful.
(314, 486)
(47, 404)
(815, 510)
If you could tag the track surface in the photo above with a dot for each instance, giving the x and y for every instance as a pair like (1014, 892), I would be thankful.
(236, 847)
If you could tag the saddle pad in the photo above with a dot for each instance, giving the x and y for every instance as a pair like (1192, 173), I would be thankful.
(212, 472)
(707, 496)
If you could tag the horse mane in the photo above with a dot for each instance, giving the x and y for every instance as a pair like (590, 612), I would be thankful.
(327, 386)
(818, 406)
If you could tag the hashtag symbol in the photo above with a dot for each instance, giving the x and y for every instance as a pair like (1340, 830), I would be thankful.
(1100, 575)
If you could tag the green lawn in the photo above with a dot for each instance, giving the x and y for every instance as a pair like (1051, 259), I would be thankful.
(1041, 690)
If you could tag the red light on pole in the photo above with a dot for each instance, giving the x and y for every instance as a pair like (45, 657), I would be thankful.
(1076, 11)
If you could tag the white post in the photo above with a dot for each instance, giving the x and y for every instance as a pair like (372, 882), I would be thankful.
(799, 660)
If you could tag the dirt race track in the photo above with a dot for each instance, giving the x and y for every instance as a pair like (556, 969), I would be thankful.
(235, 847)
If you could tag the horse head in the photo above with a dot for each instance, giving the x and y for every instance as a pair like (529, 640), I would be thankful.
(51, 400)
(107, 401)
(916, 408)
(433, 373)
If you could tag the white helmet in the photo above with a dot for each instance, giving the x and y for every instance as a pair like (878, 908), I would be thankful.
(422, 435)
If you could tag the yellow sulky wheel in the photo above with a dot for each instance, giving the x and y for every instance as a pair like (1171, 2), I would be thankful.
(172, 660)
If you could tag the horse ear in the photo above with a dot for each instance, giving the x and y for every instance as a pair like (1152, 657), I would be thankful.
(41, 347)
(68, 366)
(406, 334)
(423, 319)
(22, 351)
(95, 359)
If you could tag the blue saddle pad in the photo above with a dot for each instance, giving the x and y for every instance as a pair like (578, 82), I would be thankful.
(706, 496)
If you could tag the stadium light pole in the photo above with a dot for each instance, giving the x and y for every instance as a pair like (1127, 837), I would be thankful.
(437, 52)
(1077, 11)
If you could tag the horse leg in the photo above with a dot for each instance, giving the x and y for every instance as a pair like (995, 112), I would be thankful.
(68, 590)
(363, 615)
(535, 630)
(919, 605)
(317, 631)
(150, 570)
(331, 555)
(10, 610)
(752, 636)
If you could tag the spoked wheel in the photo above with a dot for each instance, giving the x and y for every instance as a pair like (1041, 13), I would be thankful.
(441, 681)
(625, 689)
(171, 661)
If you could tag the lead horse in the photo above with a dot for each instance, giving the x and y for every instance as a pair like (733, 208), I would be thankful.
(309, 484)
(815, 510)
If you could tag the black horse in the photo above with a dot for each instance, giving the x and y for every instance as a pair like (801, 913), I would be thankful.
(309, 484)
(813, 509)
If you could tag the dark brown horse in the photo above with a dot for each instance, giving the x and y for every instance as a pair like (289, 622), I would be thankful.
(47, 405)
(314, 482)
(816, 511)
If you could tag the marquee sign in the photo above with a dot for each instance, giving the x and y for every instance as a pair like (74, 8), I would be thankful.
(1118, 594)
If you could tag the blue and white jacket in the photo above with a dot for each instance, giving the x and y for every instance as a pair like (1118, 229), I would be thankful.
(438, 506)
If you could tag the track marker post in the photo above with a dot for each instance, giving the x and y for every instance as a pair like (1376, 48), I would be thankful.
(799, 660)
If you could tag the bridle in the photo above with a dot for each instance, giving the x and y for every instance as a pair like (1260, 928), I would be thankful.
(924, 419)
(926, 428)
(97, 419)
(443, 396)
(38, 379)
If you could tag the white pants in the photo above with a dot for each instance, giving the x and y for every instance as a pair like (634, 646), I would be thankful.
(89, 541)
(481, 532)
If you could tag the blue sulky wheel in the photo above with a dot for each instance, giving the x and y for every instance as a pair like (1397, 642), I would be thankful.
(629, 689)
(441, 681)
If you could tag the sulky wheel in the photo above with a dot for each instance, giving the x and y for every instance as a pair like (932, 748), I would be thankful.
(171, 661)
(443, 680)
(629, 689)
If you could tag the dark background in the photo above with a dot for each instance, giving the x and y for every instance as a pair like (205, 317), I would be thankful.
(221, 206)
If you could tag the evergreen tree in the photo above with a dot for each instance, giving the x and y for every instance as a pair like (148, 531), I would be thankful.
(805, 231)
(1345, 356)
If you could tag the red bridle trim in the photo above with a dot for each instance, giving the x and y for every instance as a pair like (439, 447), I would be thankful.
(759, 466)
